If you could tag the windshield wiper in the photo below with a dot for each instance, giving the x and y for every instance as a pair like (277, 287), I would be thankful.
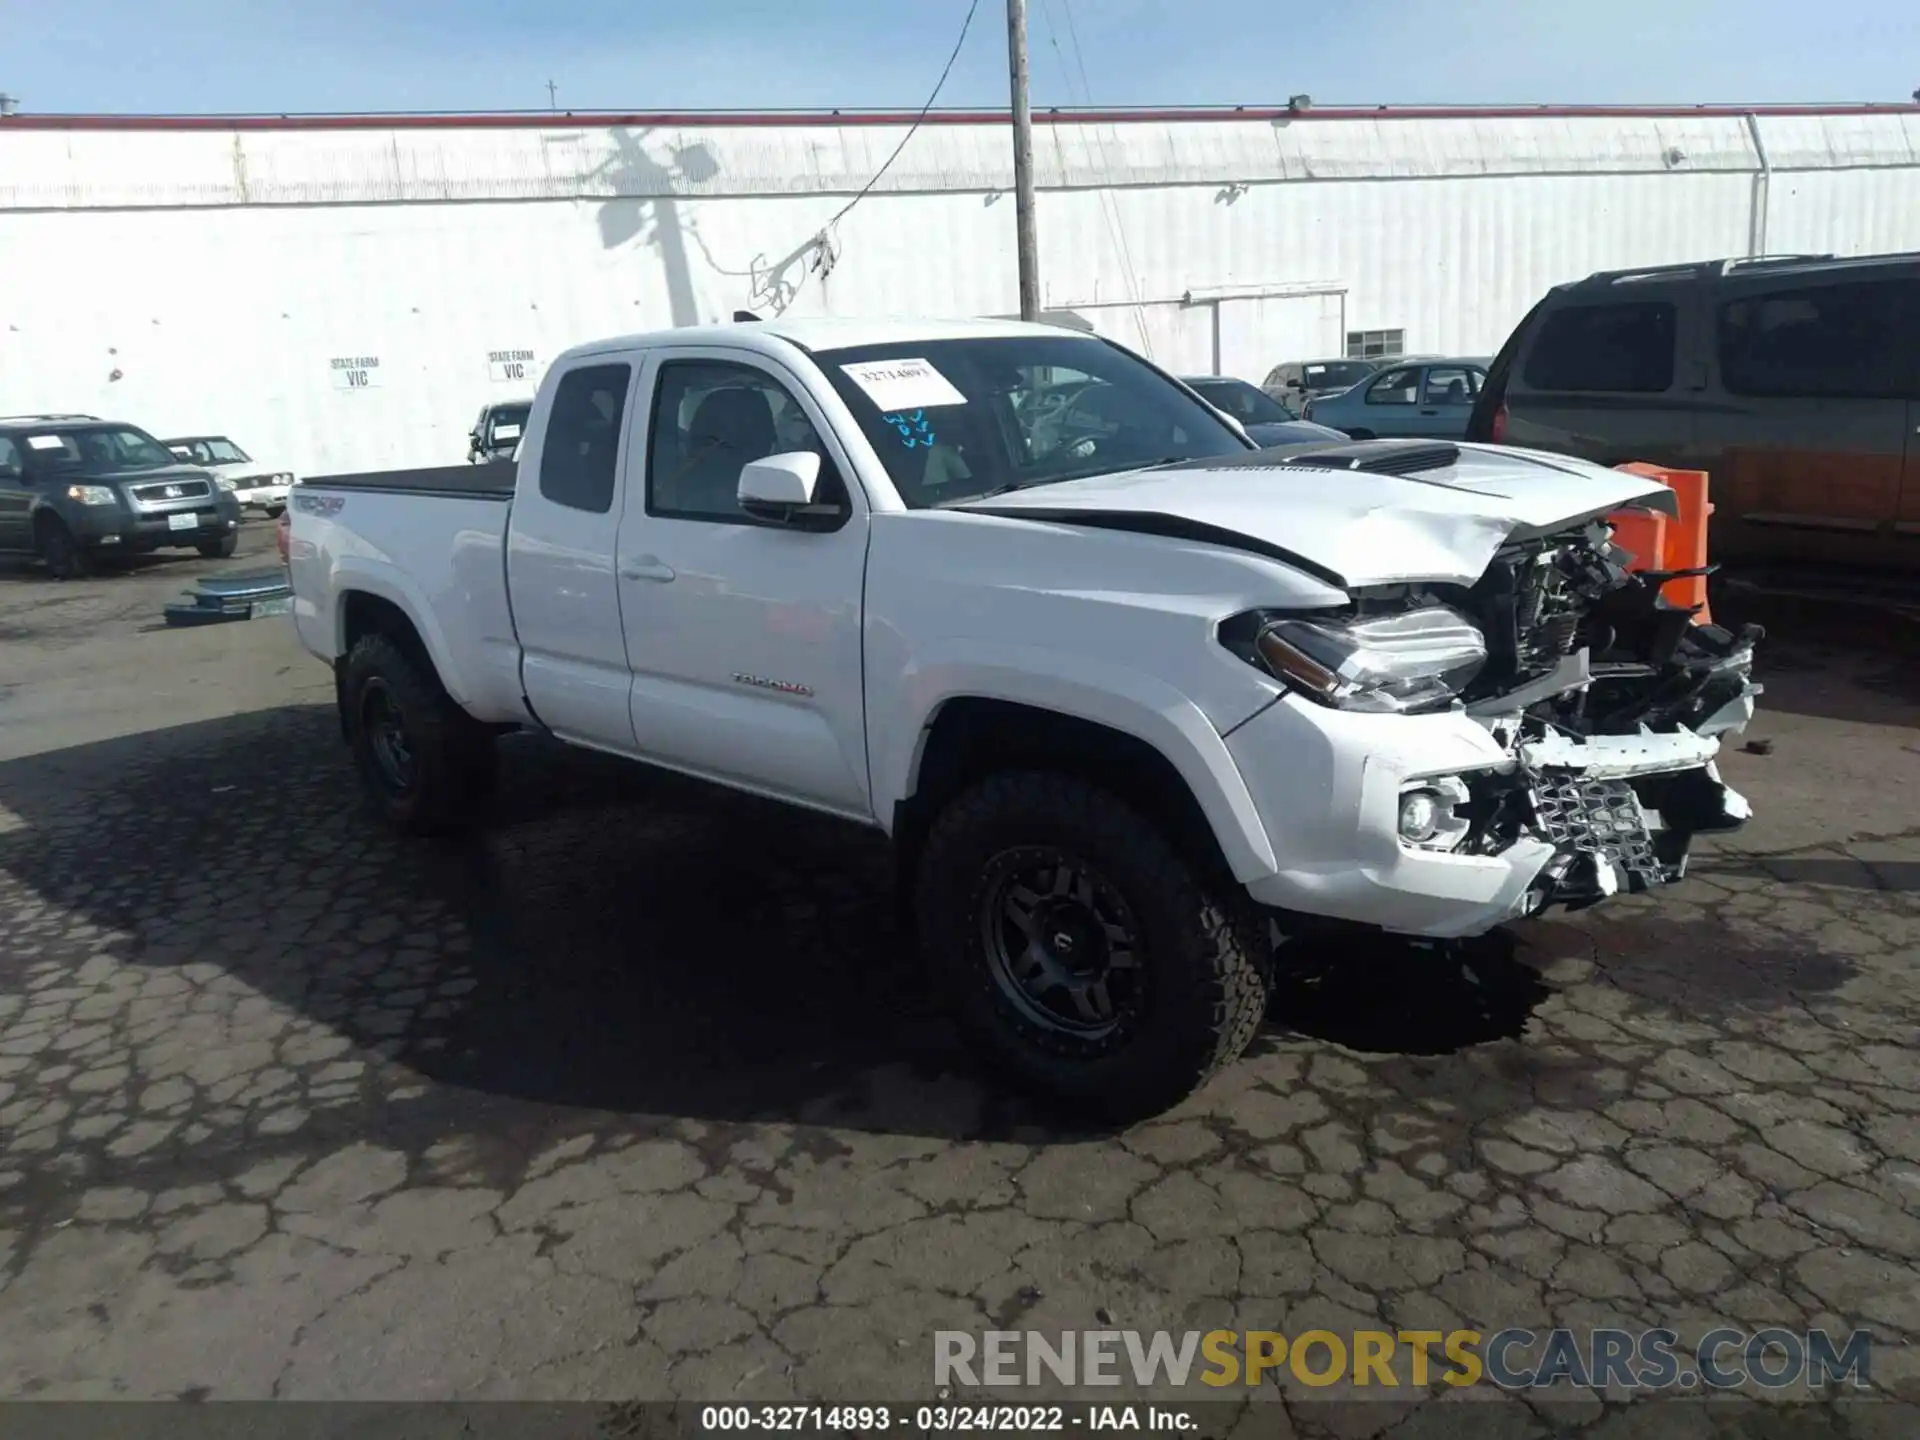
(1007, 488)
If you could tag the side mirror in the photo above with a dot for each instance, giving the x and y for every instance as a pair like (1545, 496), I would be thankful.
(781, 489)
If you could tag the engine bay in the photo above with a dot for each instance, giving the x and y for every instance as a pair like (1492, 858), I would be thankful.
(1648, 663)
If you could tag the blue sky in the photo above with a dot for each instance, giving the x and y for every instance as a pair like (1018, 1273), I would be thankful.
(285, 55)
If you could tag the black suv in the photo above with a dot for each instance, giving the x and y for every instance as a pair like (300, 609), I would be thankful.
(73, 487)
(1793, 381)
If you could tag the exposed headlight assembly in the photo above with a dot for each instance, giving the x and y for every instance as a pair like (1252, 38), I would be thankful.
(1389, 664)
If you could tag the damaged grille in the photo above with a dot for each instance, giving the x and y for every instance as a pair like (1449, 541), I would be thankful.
(1601, 818)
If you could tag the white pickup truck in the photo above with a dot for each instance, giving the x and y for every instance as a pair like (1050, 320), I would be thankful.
(1130, 697)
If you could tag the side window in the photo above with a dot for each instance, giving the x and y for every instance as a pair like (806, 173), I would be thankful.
(710, 418)
(9, 457)
(1396, 387)
(1454, 385)
(1833, 340)
(1625, 348)
(582, 446)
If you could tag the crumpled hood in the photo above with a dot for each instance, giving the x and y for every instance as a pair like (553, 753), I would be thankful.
(1356, 527)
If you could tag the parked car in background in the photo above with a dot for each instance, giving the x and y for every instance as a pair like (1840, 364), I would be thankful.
(1427, 398)
(255, 486)
(1266, 420)
(1793, 381)
(497, 432)
(1124, 693)
(76, 488)
(1299, 380)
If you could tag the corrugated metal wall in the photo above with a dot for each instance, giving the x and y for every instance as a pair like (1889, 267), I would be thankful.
(208, 279)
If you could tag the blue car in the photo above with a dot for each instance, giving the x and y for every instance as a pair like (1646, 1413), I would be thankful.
(1266, 421)
(1428, 398)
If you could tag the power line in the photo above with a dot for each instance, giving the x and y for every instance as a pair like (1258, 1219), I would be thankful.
(938, 85)
(1109, 205)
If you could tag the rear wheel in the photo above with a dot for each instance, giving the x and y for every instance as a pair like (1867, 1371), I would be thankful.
(221, 549)
(59, 550)
(425, 764)
(1082, 951)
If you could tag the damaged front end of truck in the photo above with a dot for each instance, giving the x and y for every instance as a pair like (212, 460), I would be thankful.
(1608, 701)
(1613, 702)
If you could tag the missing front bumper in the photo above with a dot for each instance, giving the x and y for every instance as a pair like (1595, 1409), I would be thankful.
(1619, 813)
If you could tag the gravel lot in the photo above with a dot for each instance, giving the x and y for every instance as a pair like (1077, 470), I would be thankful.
(631, 1097)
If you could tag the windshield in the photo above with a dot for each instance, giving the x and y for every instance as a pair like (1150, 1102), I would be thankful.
(1337, 374)
(957, 419)
(507, 423)
(216, 450)
(103, 451)
(1248, 404)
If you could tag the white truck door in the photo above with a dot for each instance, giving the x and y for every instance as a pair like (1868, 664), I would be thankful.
(560, 556)
(743, 634)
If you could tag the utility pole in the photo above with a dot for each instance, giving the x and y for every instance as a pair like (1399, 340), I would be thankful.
(553, 96)
(1023, 162)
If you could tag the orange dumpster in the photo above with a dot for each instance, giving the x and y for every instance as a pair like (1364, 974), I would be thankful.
(1677, 542)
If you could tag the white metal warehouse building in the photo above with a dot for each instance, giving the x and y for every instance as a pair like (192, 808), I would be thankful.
(346, 292)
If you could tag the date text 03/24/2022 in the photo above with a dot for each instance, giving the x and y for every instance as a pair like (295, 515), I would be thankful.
(941, 1418)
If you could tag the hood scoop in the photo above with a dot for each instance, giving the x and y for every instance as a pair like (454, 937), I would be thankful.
(1382, 457)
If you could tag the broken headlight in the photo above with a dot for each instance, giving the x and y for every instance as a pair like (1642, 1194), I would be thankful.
(1391, 664)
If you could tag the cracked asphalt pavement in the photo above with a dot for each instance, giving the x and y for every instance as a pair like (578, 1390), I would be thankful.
(632, 1096)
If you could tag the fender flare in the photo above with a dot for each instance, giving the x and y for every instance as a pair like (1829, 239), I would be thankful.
(1128, 701)
(385, 582)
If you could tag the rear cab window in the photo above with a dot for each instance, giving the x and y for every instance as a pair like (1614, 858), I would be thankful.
(1616, 347)
(580, 454)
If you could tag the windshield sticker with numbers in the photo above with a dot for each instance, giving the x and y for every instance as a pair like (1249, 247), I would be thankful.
(904, 384)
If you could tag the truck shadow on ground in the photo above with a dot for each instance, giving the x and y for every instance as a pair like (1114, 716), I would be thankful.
(615, 941)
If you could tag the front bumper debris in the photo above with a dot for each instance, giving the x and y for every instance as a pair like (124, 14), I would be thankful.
(1618, 811)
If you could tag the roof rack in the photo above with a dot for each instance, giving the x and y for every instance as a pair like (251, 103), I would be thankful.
(1690, 269)
(1707, 269)
(1755, 262)
(57, 415)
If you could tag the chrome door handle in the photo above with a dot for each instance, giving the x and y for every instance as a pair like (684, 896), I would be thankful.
(646, 567)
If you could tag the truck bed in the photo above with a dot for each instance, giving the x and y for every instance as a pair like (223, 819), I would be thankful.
(431, 541)
(492, 481)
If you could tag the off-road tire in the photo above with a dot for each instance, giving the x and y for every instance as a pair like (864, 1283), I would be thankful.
(453, 755)
(1203, 952)
(221, 549)
(61, 553)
